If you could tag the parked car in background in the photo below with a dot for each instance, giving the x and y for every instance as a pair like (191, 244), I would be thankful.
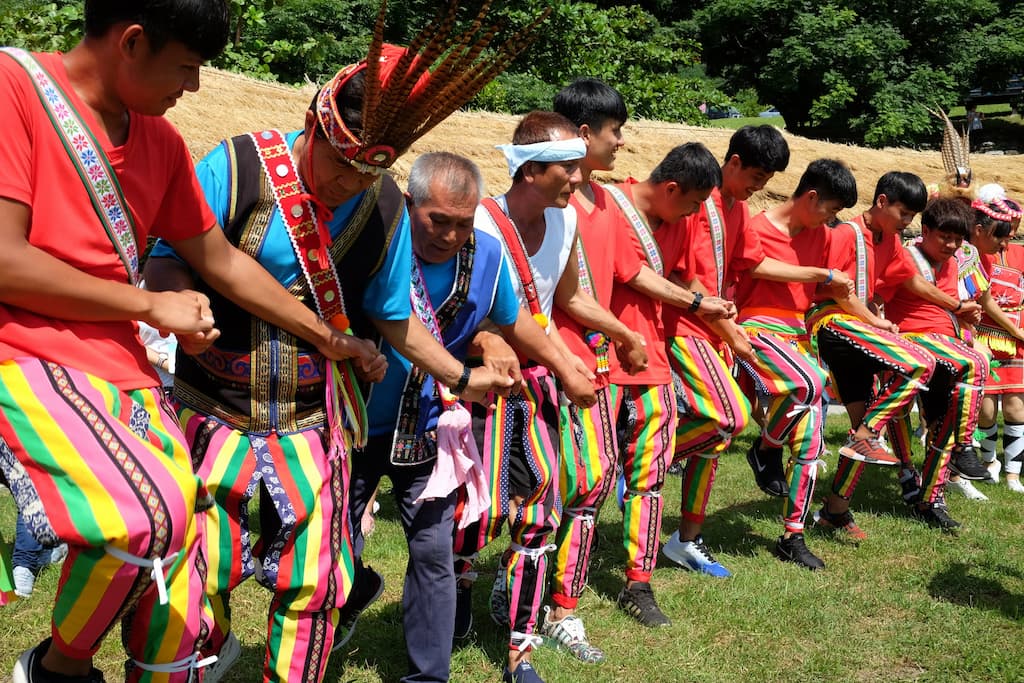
(724, 113)
(770, 112)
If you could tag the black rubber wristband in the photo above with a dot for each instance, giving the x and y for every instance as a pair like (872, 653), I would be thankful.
(697, 298)
(463, 382)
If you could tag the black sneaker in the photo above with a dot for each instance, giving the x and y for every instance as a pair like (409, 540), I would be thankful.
(29, 669)
(793, 549)
(463, 610)
(964, 461)
(910, 486)
(768, 471)
(367, 587)
(936, 515)
(676, 469)
(638, 602)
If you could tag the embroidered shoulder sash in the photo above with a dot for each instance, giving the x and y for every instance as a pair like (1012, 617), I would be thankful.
(640, 227)
(517, 249)
(862, 261)
(717, 225)
(89, 159)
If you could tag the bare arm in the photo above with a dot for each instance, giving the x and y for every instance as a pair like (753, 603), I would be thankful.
(651, 284)
(780, 271)
(411, 339)
(585, 310)
(919, 286)
(34, 280)
(550, 350)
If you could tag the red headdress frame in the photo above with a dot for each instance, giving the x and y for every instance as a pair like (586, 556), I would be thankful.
(997, 210)
(410, 90)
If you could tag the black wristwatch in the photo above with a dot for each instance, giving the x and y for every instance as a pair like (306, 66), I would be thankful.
(463, 382)
(697, 298)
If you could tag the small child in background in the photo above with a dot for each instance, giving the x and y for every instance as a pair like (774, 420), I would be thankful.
(29, 557)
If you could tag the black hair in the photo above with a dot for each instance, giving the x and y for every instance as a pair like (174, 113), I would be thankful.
(199, 25)
(692, 166)
(905, 188)
(831, 179)
(350, 105)
(1000, 229)
(948, 214)
(592, 102)
(760, 146)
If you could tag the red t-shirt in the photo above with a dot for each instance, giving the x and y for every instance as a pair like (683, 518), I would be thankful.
(808, 247)
(888, 264)
(611, 258)
(741, 251)
(642, 313)
(914, 314)
(159, 183)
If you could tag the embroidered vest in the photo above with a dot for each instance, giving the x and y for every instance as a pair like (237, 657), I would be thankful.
(465, 305)
(257, 377)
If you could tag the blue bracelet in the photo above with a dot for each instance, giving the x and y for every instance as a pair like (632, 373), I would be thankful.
(828, 278)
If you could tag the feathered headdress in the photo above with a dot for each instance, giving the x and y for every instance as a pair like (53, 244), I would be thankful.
(410, 90)
(956, 151)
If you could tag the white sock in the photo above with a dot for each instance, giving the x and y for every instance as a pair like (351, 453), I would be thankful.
(1013, 447)
(988, 442)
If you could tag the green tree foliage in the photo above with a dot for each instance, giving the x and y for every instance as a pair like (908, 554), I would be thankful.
(861, 70)
(41, 26)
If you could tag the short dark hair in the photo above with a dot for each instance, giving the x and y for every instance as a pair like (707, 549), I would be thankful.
(692, 166)
(905, 188)
(947, 214)
(591, 101)
(199, 25)
(760, 146)
(831, 179)
(999, 228)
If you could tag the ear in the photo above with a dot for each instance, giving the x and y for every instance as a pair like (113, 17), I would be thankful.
(734, 162)
(132, 41)
(309, 123)
(882, 201)
(586, 132)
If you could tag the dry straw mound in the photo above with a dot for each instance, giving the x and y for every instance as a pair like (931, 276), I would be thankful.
(228, 104)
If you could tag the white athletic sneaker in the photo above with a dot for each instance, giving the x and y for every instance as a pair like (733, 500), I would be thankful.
(1015, 485)
(966, 489)
(229, 653)
(24, 581)
(994, 468)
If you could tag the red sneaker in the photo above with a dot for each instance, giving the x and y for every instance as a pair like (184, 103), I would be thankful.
(868, 450)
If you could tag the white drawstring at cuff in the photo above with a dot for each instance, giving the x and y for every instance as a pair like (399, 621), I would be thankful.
(584, 514)
(916, 383)
(801, 407)
(648, 494)
(156, 563)
(190, 662)
(533, 553)
(969, 387)
(527, 641)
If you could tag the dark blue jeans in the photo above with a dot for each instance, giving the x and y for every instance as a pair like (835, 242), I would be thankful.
(27, 550)
(428, 597)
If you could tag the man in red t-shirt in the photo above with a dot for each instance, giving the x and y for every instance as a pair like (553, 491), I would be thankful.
(93, 456)
(772, 314)
(857, 345)
(647, 418)
(954, 395)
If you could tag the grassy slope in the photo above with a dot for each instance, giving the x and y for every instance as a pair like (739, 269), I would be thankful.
(909, 604)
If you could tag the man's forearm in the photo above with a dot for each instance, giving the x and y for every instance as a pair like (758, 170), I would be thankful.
(651, 284)
(919, 286)
(584, 309)
(411, 339)
(527, 337)
(779, 271)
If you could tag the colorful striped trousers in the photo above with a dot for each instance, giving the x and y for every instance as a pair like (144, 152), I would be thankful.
(519, 448)
(794, 386)
(646, 429)
(107, 472)
(951, 407)
(586, 475)
(858, 353)
(712, 411)
(304, 552)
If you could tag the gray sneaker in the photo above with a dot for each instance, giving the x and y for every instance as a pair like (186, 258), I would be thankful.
(229, 653)
(570, 634)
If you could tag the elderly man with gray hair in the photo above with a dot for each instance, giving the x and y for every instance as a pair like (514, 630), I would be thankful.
(460, 280)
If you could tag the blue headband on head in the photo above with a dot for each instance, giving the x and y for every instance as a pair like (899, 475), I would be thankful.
(547, 151)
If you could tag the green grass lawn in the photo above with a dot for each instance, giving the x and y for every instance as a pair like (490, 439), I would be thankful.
(908, 604)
